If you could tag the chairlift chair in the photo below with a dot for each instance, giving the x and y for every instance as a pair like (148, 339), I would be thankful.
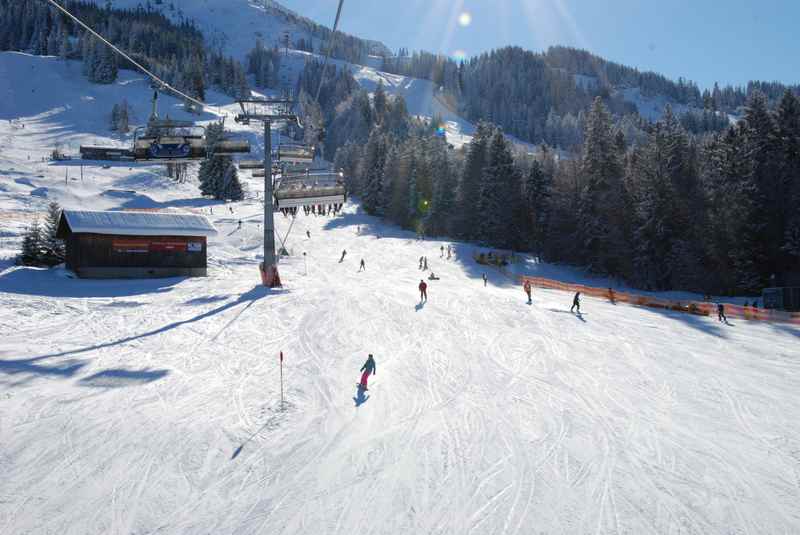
(311, 190)
(294, 153)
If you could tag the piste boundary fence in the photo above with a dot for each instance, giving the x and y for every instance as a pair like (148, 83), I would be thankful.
(698, 308)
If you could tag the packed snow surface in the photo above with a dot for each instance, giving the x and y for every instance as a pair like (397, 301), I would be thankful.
(154, 406)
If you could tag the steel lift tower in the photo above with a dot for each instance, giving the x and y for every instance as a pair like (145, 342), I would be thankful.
(267, 111)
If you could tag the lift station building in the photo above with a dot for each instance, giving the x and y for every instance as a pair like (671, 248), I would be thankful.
(133, 245)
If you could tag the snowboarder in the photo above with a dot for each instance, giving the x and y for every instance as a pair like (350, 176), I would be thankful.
(485, 280)
(576, 302)
(527, 287)
(433, 277)
(721, 313)
(362, 267)
(308, 233)
(369, 369)
(344, 253)
(423, 290)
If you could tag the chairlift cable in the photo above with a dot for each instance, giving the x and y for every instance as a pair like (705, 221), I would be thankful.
(330, 49)
(163, 84)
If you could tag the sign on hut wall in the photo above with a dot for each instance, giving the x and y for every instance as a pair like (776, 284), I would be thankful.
(155, 246)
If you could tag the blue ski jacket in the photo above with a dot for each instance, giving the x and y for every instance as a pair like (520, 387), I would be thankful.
(369, 366)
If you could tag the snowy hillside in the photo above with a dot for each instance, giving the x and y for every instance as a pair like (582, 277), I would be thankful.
(153, 406)
(236, 24)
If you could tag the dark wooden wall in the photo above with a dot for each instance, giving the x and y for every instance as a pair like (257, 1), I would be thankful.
(96, 250)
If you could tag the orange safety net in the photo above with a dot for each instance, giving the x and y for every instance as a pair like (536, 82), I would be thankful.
(699, 308)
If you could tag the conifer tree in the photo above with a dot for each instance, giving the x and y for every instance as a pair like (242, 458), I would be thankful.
(601, 213)
(537, 200)
(468, 215)
(374, 165)
(500, 191)
(443, 201)
(31, 253)
(52, 249)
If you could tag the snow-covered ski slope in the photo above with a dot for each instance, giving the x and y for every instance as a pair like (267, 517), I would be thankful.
(234, 25)
(153, 406)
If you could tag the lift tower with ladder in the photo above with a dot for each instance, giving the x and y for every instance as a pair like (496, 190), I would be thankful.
(267, 111)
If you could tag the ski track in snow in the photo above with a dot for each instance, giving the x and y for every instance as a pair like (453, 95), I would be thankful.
(486, 415)
(153, 406)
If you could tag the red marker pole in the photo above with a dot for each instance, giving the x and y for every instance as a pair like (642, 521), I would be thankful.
(281, 379)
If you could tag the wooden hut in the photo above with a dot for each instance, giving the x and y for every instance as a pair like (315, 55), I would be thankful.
(112, 245)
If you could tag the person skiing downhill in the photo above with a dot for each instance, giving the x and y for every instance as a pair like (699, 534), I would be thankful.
(576, 302)
(421, 259)
(441, 249)
(485, 280)
(308, 233)
(721, 313)
(425, 264)
(423, 290)
(363, 266)
(369, 369)
(527, 288)
(344, 253)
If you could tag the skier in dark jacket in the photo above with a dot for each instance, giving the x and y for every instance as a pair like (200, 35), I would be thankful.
(363, 266)
(344, 253)
(576, 302)
(528, 289)
(721, 313)
(369, 369)
(423, 291)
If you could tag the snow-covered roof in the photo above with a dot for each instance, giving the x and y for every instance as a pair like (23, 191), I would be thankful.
(139, 223)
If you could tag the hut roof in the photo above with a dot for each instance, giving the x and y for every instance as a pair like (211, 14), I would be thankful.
(138, 223)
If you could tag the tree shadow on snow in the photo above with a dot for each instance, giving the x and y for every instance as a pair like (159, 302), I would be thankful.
(29, 367)
(786, 328)
(53, 283)
(121, 378)
(370, 226)
(706, 324)
(248, 299)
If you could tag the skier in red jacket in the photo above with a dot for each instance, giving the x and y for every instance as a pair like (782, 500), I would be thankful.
(423, 290)
(527, 287)
(369, 369)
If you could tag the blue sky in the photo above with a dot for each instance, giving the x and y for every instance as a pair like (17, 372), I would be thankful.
(730, 41)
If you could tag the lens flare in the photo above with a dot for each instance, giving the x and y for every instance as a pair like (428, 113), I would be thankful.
(465, 19)
(459, 55)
